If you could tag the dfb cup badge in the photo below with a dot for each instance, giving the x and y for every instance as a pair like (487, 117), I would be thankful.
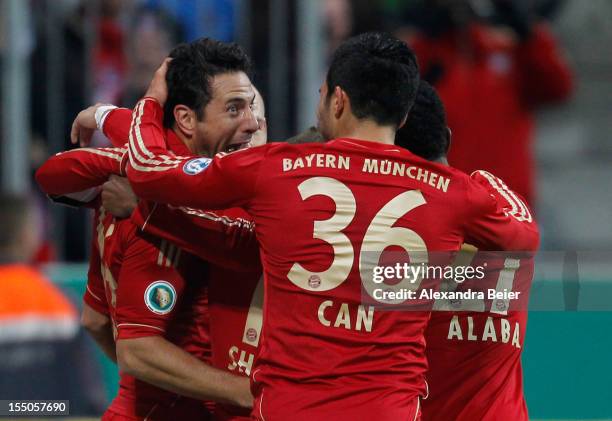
(251, 334)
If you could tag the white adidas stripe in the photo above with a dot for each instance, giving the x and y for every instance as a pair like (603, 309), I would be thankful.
(521, 214)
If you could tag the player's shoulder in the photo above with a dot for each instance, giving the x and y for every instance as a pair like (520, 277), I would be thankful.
(502, 195)
(487, 180)
(493, 186)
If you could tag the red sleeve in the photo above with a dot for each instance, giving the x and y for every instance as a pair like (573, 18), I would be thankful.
(95, 294)
(498, 220)
(544, 71)
(186, 181)
(224, 238)
(117, 126)
(149, 289)
(78, 171)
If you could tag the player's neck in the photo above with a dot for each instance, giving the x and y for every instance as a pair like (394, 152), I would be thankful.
(368, 130)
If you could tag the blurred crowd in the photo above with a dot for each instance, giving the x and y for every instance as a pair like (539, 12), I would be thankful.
(494, 63)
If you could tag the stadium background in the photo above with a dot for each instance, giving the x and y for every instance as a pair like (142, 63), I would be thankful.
(58, 56)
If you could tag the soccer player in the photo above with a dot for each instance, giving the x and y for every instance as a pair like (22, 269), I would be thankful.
(320, 210)
(474, 356)
(152, 295)
(235, 298)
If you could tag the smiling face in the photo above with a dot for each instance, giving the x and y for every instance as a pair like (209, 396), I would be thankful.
(228, 123)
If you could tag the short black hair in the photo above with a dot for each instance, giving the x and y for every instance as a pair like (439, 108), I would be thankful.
(193, 66)
(426, 131)
(380, 75)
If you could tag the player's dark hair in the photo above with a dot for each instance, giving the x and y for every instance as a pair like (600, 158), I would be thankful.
(193, 66)
(380, 75)
(426, 132)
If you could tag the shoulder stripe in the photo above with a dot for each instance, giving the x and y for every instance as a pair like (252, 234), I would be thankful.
(136, 145)
(519, 210)
(116, 154)
(214, 217)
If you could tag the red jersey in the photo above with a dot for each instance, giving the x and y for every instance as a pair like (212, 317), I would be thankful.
(235, 313)
(236, 320)
(235, 297)
(319, 210)
(474, 351)
(146, 286)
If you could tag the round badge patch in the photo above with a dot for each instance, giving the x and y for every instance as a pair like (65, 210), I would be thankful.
(314, 281)
(196, 166)
(160, 297)
(251, 334)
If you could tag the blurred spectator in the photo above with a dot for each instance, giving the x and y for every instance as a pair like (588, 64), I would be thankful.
(73, 62)
(69, 19)
(109, 62)
(338, 22)
(43, 355)
(491, 79)
(152, 34)
(201, 18)
(39, 340)
(19, 237)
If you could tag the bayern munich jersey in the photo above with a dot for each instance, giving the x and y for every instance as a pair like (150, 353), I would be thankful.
(474, 347)
(225, 240)
(235, 296)
(146, 286)
(320, 212)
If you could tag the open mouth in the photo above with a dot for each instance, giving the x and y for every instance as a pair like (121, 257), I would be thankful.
(237, 146)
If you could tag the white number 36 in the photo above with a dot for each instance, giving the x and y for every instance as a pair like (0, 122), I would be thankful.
(380, 234)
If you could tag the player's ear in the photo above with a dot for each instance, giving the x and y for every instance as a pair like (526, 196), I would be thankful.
(185, 118)
(339, 99)
(449, 137)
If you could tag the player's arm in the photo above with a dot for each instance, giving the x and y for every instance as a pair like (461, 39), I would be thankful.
(498, 219)
(155, 360)
(100, 328)
(78, 173)
(95, 316)
(94, 118)
(151, 289)
(221, 238)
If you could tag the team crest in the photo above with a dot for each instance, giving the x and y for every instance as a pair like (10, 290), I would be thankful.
(160, 297)
(196, 166)
(314, 281)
